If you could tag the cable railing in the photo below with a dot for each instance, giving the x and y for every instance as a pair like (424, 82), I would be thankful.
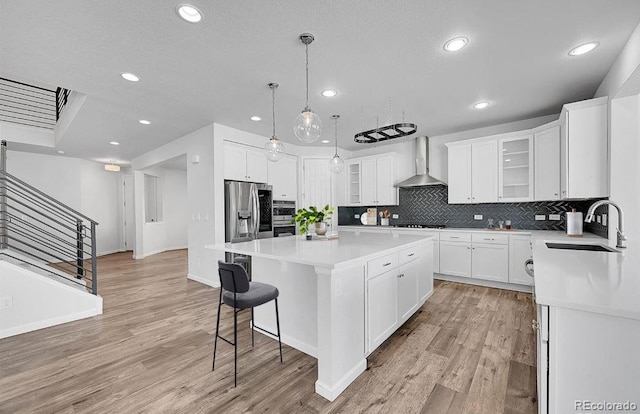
(42, 228)
(30, 105)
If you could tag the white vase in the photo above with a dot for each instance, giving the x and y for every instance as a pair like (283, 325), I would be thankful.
(321, 228)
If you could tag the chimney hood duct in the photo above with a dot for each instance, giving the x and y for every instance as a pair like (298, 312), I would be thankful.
(422, 176)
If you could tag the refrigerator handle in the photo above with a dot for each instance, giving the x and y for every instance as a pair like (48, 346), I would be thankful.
(255, 213)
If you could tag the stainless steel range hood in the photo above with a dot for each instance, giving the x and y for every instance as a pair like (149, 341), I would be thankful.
(422, 176)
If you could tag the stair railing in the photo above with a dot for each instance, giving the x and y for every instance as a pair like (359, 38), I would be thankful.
(45, 229)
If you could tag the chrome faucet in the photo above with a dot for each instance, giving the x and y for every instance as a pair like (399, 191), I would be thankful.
(620, 231)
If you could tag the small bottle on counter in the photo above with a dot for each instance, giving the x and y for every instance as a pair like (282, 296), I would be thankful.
(508, 224)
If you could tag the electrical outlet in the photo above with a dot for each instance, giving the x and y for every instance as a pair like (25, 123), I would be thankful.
(554, 216)
(540, 217)
(6, 302)
(477, 216)
(395, 216)
(356, 216)
(604, 219)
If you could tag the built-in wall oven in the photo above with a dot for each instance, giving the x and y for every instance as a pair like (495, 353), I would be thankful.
(283, 213)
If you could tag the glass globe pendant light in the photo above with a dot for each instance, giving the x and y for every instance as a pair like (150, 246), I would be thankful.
(273, 149)
(336, 164)
(308, 125)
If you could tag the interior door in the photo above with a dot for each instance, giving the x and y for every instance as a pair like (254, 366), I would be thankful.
(317, 183)
(129, 214)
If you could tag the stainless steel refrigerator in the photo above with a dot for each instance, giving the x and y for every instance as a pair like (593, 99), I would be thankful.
(247, 210)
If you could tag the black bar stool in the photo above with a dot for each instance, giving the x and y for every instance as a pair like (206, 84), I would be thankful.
(240, 293)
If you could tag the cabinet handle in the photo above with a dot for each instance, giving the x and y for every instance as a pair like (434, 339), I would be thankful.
(555, 194)
(468, 198)
(411, 254)
(488, 239)
(400, 275)
(386, 264)
(468, 248)
(454, 237)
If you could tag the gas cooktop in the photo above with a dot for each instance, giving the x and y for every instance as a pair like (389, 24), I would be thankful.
(422, 226)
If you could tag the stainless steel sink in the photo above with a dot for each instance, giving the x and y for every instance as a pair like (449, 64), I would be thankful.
(587, 247)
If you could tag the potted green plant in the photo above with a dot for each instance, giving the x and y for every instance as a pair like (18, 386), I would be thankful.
(313, 216)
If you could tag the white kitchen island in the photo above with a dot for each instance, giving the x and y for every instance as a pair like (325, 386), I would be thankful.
(341, 298)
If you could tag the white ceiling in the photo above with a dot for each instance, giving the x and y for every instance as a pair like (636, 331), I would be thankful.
(376, 53)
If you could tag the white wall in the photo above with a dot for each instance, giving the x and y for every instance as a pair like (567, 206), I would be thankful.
(39, 302)
(82, 185)
(623, 69)
(171, 231)
(200, 199)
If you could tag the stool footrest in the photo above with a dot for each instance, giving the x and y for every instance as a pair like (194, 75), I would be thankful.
(265, 331)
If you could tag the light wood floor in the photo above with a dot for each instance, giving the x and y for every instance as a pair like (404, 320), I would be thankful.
(468, 350)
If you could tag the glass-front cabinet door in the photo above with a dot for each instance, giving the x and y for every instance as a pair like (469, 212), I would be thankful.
(354, 182)
(515, 168)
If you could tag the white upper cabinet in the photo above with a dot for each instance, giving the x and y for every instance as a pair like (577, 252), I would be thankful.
(584, 155)
(283, 176)
(371, 180)
(515, 179)
(243, 163)
(386, 193)
(459, 174)
(484, 172)
(473, 173)
(547, 164)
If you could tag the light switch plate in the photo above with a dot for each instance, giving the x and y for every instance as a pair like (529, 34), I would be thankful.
(598, 219)
(477, 216)
(356, 216)
(540, 217)
(395, 216)
(604, 219)
(554, 216)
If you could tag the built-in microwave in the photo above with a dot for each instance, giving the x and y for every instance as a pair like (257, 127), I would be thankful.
(283, 213)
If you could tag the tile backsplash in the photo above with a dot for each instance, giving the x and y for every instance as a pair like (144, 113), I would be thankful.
(428, 205)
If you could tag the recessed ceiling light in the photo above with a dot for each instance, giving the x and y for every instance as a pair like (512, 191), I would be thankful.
(255, 118)
(130, 77)
(114, 143)
(329, 93)
(582, 49)
(325, 141)
(456, 44)
(480, 105)
(60, 152)
(189, 13)
(144, 122)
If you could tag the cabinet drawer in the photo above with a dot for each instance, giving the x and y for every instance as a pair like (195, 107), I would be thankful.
(407, 255)
(490, 238)
(381, 265)
(455, 236)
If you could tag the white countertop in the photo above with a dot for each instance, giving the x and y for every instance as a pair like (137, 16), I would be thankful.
(347, 249)
(535, 233)
(601, 282)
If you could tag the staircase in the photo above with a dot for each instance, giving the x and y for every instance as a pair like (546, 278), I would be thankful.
(48, 267)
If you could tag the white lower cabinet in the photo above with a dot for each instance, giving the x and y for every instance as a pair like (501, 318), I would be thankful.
(455, 258)
(397, 285)
(574, 370)
(382, 307)
(407, 290)
(490, 262)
